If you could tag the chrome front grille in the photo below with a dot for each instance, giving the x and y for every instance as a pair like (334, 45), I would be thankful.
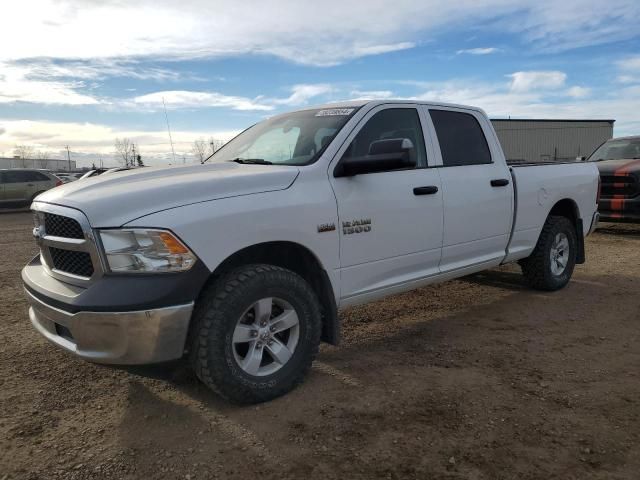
(76, 263)
(67, 244)
(59, 226)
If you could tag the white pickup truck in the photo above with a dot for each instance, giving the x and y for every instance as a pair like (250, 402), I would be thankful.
(242, 263)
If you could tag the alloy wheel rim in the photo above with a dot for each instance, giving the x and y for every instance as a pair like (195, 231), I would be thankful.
(559, 254)
(265, 336)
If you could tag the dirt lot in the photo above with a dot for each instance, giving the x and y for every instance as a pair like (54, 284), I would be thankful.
(478, 378)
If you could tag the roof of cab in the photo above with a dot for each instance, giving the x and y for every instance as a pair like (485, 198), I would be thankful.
(375, 103)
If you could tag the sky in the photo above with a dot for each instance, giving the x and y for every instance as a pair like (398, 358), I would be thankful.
(85, 72)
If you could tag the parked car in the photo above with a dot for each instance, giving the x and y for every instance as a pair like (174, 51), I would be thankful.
(22, 185)
(242, 263)
(619, 165)
(66, 177)
(101, 171)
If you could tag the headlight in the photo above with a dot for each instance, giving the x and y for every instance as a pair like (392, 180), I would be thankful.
(143, 250)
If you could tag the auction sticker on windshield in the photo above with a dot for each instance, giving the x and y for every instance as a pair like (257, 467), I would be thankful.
(335, 111)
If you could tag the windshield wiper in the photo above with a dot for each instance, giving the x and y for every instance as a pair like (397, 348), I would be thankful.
(254, 161)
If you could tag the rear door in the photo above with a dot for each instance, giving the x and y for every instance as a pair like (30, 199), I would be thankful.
(390, 222)
(477, 190)
(41, 182)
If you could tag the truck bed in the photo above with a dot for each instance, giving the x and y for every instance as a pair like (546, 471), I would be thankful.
(539, 185)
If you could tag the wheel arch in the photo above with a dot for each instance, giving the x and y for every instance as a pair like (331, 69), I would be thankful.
(568, 208)
(299, 259)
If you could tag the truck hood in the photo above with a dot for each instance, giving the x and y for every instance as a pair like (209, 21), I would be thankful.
(113, 199)
(619, 167)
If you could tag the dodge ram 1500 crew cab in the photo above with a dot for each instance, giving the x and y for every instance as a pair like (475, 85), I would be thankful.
(241, 264)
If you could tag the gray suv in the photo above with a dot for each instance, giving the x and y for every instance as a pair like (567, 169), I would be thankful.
(22, 185)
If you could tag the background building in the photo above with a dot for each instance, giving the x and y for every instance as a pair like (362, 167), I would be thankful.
(551, 140)
(53, 164)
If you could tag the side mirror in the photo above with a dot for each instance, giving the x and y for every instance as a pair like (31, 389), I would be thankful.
(388, 154)
(581, 159)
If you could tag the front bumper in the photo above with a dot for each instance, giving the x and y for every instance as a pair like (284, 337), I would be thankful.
(125, 338)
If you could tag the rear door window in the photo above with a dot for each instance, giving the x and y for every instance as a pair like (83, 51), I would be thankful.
(39, 177)
(461, 139)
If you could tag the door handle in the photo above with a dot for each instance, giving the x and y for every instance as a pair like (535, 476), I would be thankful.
(430, 190)
(500, 182)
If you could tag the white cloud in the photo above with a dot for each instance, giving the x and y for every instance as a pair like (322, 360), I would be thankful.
(302, 93)
(629, 64)
(371, 94)
(555, 26)
(627, 79)
(478, 51)
(17, 86)
(174, 99)
(536, 80)
(189, 99)
(98, 69)
(579, 92)
(630, 69)
(319, 33)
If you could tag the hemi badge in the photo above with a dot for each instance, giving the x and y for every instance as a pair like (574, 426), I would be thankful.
(326, 227)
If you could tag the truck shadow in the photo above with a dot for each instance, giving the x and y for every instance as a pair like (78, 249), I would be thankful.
(499, 279)
(628, 230)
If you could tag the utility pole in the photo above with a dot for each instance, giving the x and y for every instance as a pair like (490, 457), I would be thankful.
(68, 158)
(173, 152)
(133, 160)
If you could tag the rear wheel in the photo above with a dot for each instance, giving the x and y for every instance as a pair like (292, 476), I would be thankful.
(256, 332)
(551, 264)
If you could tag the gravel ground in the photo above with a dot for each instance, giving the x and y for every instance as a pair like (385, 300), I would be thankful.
(479, 378)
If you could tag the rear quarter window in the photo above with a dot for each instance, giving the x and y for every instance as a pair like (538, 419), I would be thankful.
(40, 177)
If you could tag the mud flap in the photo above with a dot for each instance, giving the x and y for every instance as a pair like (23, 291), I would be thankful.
(580, 254)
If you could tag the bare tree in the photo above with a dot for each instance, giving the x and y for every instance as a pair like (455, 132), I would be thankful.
(214, 145)
(124, 148)
(24, 151)
(199, 149)
(43, 157)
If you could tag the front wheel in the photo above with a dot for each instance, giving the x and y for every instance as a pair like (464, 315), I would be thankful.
(551, 264)
(256, 332)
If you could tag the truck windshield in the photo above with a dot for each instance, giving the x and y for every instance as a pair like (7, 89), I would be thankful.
(617, 149)
(296, 138)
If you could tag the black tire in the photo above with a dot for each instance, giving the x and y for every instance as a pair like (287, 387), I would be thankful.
(216, 314)
(537, 268)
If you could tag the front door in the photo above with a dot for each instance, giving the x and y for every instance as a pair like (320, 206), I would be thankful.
(390, 222)
(16, 185)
